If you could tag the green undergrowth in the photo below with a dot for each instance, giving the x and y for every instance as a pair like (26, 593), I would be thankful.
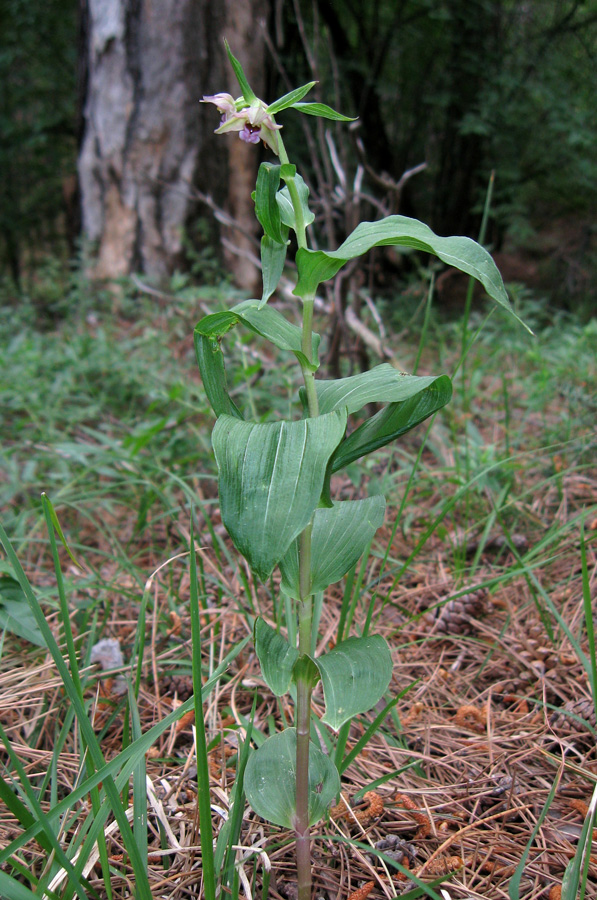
(104, 408)
(106, 414)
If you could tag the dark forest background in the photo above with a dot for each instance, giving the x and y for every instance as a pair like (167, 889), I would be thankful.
(107, 156)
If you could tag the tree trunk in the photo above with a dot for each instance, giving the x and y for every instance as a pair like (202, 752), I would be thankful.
(147, 64)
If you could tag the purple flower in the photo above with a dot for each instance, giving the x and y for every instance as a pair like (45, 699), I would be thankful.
(250, 134)
(253, 122)
(225, 103)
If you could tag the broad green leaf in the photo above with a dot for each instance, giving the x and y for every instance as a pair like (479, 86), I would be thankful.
(266, 206)
(271, 478)
(15, 614)
(382, 384)
(355, 675)
(210, 360)
(340, 536)
(290, 99)
(270, 780)
(391, 422)
(273, 257)
(322, 111)
(315, 266)
(286, 207)
(275, 327)
(265, 321)
(240, 76)
(276, 657)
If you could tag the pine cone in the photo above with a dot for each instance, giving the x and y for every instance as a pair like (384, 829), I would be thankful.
(458, 616)
(181, 685)
(563, 723)
(540, 656)
(543, 664)
(518, 685)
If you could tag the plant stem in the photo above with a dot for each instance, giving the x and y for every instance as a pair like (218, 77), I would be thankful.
(303, 728)
(303, 698)
(305, 605)
(308, 374)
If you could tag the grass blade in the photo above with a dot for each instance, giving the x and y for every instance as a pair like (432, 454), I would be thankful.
(204, 801)
(589, 624)
(52, 526)
(139, 785)
(575, 876)
(10, 887)
(129, 755)
(48, 840)
(514, 885)
(237, 803)
(87, 733)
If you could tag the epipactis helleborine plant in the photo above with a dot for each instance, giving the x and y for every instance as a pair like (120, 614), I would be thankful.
(274, 477)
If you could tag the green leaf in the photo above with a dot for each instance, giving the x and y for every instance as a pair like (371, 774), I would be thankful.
(210, 360)
(382, 384)
(270, 780)
(286, 207)
(240, 76)
(323, 111)
(315, 266)
(340, 536)
(266, 206)
(273, 257)
(391, 422)
(266, 322)
(271, 478)
(272, 325)
(276, 657)
(15, 614)
(411, 399)
(290, 99)
(355, 675)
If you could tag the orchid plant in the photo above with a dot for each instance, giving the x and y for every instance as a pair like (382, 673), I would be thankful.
(275, 476)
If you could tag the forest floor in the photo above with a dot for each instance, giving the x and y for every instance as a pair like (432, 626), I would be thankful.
(478, 780)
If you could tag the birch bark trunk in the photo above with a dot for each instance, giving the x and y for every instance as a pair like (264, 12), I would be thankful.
(146, 64)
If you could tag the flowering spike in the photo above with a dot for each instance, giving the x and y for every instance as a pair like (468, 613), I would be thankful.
(253, 122)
